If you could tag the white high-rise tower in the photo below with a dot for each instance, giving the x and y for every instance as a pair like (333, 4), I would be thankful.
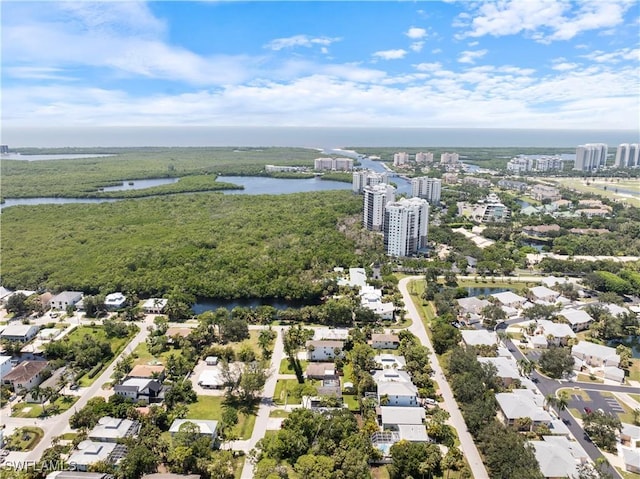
(627, 156)
(591, 156)
(375, 199)
(406, 226)
(427, 188)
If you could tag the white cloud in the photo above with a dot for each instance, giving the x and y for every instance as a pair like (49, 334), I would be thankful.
(299, 41)
(564, 66)
(426, 67)
(390, 54)
(416, 46)
(543, 20)
(615, 56)
(37, 73)
(416, 33)
(469, 56)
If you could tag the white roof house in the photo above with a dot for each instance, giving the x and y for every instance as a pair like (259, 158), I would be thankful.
(393, 415)
(4, 293)
(551, 281)
(49, 334)
(397, 387)
(357, 278)
(110, 429)
(559, 332)
(413, 433)
(506, 367)
(577, 318)
(115, 300)
(509, 298)
(616, 310)
(543, 293)
(522, 403)
(596, 354)
(479, 337)
(65, 299)
(19, 332)
(559, 457)
(154, 305)
(90, 452)
(207, 427)
(330, 334)
(630, 435)
(631, 458)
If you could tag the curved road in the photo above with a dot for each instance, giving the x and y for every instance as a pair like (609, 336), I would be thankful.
(466, 441)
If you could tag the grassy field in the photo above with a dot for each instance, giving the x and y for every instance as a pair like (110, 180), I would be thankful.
(29, 410)
(290, 387)
(627, 475)
(597, 187)
(210, 407)
(575, 392)
(24, 439)
(279, 413)
(285, 366)
(97, 332)
(634, 370)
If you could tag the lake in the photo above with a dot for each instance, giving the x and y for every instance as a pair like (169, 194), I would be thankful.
(253, 185)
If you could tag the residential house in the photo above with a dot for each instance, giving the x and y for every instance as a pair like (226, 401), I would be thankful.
(615, 310)
(89, 453)
(140, 389)
(471, 309)
(547, 332)
(208, 428)
(544, 192)
(630, 435)
(385, 341)
(154, 305)
(591, 212)
(45, 300)
(552, 281)
(389, 361)
(541, 231)
(212, 378)
(578, 319)
(4, 294)
(20, 332)
(320, 370)
(330, 334)
(506, 369)
(542, 293)
(324, 350)
(111, 429)
(510, 299)
(395, 388)
(147, 371)
(25, 375)
(631, 459)
(390, 417)
(596, 355)
(115, 301)
(479, 337)
(54, 382)
(515, 406)
(65, 299)
(559, 457)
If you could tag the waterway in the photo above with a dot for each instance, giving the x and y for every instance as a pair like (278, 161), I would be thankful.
(141, 184)
(485, 291)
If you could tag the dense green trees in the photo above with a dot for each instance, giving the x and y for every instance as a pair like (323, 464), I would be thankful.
(414, 459)
(209, 245)
(556, 362)
(602, 428)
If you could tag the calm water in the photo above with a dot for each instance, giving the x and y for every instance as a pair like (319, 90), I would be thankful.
(141, 184)
(259, 185)
(311, 137)
(403, 186)
(253, 185)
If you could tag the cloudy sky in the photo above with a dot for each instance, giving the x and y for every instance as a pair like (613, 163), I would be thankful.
(499, 64)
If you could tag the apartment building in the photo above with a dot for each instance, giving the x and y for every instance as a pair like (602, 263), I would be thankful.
(364, 178)
(375, 199)
(427, 188)
(591, 156)
(406, 226)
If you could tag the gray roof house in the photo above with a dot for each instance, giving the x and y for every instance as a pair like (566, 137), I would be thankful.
(140, 389)
(559, 457)
(65, 299)
(111, 429)
(207, 428)
(520, 404)
(391, 416)
(89, 452)
(596, 355)
(577, 319)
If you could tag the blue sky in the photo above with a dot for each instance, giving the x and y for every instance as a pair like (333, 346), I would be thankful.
(501, 64)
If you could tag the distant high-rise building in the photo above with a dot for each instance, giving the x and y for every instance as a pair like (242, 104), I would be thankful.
(367, 178)
(422, 157)
(340, 164)
(400, 159)
(591, 156)
(427, 188)
(449, 158)
(4, 149)
(375, 199)
(406, 226)
(628, 156)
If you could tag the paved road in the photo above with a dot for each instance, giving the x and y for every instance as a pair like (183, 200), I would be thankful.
(56, 425)
(466, 441)
(266, 404)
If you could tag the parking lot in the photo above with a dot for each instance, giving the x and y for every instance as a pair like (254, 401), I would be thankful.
(596, 402)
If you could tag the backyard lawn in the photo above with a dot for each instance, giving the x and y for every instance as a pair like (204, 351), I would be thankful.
(288, 391)
(24, 439)
(210, 407)
(34, 410)
(285, 366)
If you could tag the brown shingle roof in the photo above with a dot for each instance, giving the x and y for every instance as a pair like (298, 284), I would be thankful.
(25, 371)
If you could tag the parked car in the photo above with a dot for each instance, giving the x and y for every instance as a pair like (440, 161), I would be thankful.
(588, 410)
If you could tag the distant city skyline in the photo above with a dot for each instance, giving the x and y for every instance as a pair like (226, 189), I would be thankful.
(533, 64)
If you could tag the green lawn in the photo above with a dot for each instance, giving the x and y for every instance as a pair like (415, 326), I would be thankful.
(587, 378)
(210, 407)
(98, 333)
(34, 410)
(285, 366)
(634, 370)
(252, 342)
(627, 475)
(24, 439)
(279, 413)
(488, 283)
(290, 386)
(143, 356)
(352, 402)
(575, 392)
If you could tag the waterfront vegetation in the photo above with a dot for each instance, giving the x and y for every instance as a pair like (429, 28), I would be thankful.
(208, 245)
(84, 177)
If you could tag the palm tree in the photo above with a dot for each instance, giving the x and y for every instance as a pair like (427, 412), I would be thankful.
(525, 366)
(562, 402)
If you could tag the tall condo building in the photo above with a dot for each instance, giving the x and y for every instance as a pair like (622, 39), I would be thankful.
(375, 199)
(422, 157)
(427, 188)
(367, 178)
(400, 159)
(628, 156)
(406, 226)
(449, 158)
(340, 164)
(591, 156)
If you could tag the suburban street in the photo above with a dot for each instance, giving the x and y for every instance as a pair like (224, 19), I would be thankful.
(456, 420)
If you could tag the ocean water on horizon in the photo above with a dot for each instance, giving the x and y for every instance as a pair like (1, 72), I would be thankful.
(308, 137)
